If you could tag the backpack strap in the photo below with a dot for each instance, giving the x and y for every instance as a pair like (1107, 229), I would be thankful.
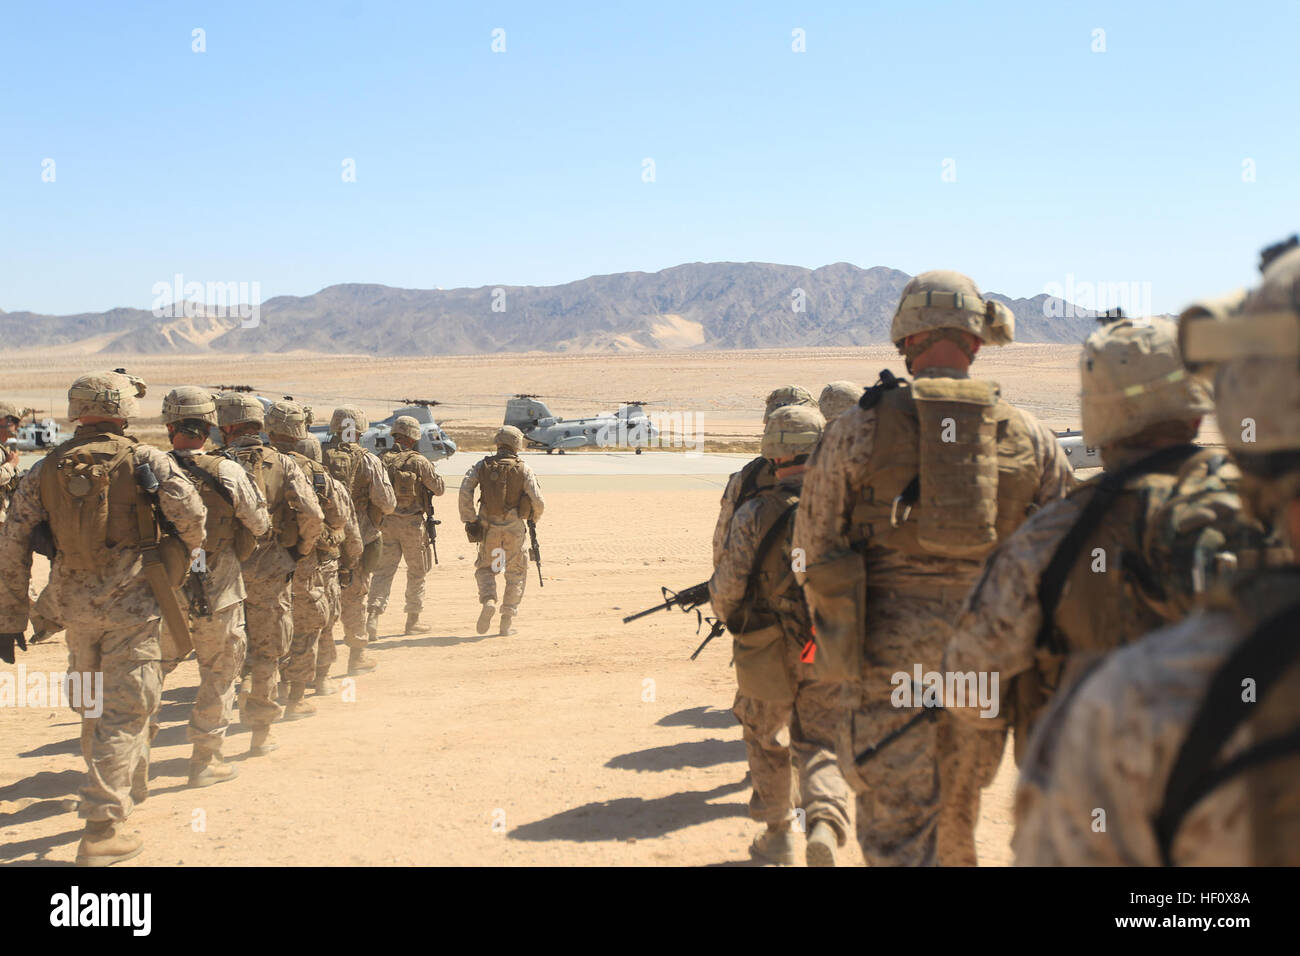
(765, 546)
(1265, 655)
(1052, 583)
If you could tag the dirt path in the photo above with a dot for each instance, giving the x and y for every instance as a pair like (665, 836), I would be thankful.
(578, 740)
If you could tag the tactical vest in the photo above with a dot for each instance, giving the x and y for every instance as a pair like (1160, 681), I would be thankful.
(330, 540)
(408, 486)
(923, 501)
(343, 462)
(756, 476)
(266, 467)
(204, 470)
(770, 581)
(89, 490)
(501, 483)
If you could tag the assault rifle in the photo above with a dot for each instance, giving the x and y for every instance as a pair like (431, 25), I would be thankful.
(688, 600)
(196, 588)
(431, 525)
(535, 551)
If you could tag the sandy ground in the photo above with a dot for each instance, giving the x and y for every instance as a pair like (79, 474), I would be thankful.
(578, 740)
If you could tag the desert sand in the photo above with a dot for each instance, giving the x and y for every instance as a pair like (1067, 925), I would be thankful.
(577, 740)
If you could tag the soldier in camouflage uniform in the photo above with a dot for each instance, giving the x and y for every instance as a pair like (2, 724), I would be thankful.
(286, 425)
(331, 567)
(906, 494)
(406, 537)
(297, 521)
(509, 497)
(757, 475)
(1125, 553)
(236, 512)
(92, 490)
(10, 416)
(372, 496)
(836, 398)
(1121, 769)
(754, 591)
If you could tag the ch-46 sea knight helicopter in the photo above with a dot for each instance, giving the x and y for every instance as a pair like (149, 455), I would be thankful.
(33, 435)
(626, 427)
(434, 443)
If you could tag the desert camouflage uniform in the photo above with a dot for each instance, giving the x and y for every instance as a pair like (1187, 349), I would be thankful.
(220, 640)
(1158, 540)
(1109, 743)
(406, 538)
(372, 476)
(268, 578)
(349, 554)
(504, 536)
(757, 476)
(8, 481)
(311, 604)
(910, 605)
(114, 627)
(812, 716)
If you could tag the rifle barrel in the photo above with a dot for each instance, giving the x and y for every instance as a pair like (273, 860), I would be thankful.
(650, 610)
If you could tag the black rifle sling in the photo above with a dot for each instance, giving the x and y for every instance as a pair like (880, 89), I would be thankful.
(1263, 657)
(1052, 583)
(871, 397)
(765, 546)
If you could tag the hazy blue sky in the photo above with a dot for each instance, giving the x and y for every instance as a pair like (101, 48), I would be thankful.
(526, 166)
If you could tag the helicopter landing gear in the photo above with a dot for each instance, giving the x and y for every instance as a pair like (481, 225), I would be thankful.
(561, 451)
(638, 451)
(549, 450)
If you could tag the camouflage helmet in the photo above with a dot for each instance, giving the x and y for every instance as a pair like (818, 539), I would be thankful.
(836, 398)
(309, 446)
(787, 395)
(288, 419)
(9, 410)
(1133, 377)
(407, 427)
(189, 402)
(1255, 351)
(236, 408)
(348, 416)
(941, 299)
(510, 437)
(106, 394)
(792, 430)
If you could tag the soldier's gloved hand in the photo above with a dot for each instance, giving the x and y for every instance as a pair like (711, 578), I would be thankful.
(7, 642)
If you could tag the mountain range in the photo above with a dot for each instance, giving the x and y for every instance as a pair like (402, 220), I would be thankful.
(706, 305)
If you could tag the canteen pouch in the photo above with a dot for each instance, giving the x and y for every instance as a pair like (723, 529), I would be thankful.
(761, 671)
(957, 465)
(371, 554)
(836, 591)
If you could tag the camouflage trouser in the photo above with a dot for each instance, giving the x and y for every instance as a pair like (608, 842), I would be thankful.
(812, 719)
(353, 613)
(404, 540)
(268, 619)
(118, 769)
(899, 793)
(326, 651)
(311, 612)
(968, 761)
(219, 644)
(502, 549)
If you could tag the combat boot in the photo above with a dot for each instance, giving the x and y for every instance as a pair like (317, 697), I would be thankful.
(262, 742)
(822, 843)
(413, 625)
(372, 624)
(485, 617)
(297, 708)
(358, 663)
(323, 686)
(103, 844)
(775, 845)
(506, 618)
(208, 769)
